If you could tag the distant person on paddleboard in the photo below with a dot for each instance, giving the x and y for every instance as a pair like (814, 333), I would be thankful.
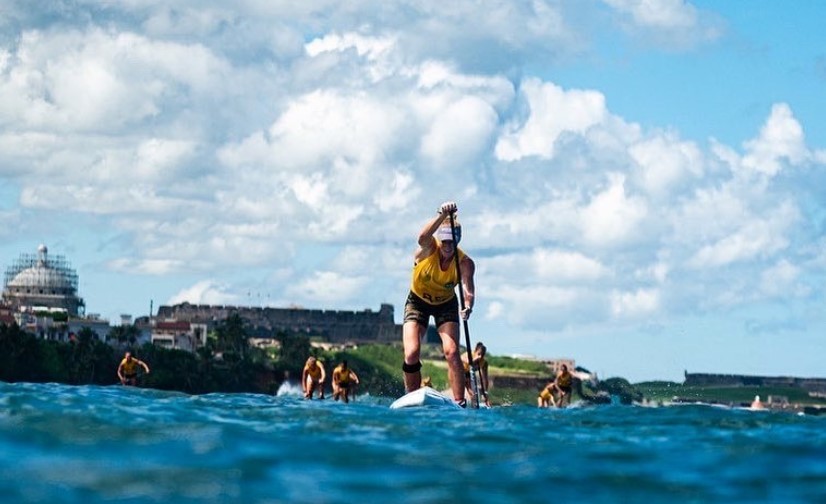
(479, 353)
(564, 385)
(546, 396)
(128, 369)
(432, 294)
(312, 378)
(757, 403)
(344, 379)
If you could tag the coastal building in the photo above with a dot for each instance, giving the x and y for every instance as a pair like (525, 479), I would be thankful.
(179, 335)
(40, 294)
(97, 325)
(39, 283)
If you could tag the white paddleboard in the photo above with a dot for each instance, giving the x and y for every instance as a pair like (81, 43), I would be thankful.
(424, 396)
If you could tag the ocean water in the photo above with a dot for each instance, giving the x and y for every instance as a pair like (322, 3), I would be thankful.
(119, 444)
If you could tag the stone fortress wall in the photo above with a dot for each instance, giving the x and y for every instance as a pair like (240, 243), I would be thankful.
(817, 385)
(334, 326)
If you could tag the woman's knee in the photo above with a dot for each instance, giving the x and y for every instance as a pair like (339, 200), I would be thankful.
(412, 355)
(452, 356)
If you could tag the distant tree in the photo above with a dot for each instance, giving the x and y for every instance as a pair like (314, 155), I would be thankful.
(294, 350)
(123, 334)
(19, 354)
(173, 369)
(240, 368)
(105, 371)
(25, 357)
(231, 337)
(82, 357)
(53, 364)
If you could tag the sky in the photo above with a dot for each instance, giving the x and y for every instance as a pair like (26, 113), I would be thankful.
(641, 183)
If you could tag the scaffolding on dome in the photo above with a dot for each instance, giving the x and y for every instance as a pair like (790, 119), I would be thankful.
(58, 263)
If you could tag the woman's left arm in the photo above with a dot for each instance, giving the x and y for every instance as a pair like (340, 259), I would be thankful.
(468, 285)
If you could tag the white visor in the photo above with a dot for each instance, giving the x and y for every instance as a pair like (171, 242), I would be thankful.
(444, 234)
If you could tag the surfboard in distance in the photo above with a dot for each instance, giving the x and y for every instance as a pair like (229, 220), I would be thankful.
(424, 397)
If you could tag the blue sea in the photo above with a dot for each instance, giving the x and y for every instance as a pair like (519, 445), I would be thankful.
(93, 444)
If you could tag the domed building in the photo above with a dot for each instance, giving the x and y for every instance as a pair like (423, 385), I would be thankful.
(37, 282)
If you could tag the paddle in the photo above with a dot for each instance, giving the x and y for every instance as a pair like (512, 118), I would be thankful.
(474, 368)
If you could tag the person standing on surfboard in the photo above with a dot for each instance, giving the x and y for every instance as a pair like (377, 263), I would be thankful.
(432, 294)
(128, 369)
(344, 380)
(479, 353)
(313, 377)
(546, 396)
(564, 385)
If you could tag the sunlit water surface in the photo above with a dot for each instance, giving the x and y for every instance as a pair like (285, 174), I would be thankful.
(120, 444)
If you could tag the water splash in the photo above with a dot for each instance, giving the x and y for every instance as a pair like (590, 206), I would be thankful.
(289, 388)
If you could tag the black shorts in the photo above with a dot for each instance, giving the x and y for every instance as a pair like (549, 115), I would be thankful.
(130, 376)
(344, 385)
(419, 310)
(566, 390)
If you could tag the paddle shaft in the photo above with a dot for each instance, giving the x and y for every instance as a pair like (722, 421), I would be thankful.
(473, 366)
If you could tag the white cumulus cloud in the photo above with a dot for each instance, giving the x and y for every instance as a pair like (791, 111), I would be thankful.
(781, 139)
(551, 112)
(207, 292)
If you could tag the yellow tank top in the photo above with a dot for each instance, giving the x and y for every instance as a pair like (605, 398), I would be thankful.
(432, 284)
(564, 380)
(545, 394)
(341, 375)
(314, 371)
(129, 367)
